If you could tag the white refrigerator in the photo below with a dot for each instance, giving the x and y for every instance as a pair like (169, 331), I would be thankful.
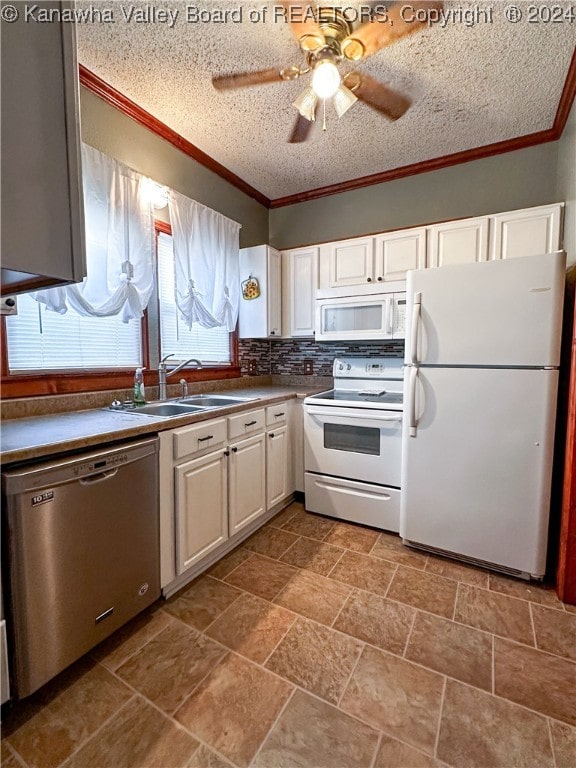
(482, 357)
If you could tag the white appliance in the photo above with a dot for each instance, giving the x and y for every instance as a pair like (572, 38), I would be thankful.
(357, 313)
(483, 349)
(353, 443)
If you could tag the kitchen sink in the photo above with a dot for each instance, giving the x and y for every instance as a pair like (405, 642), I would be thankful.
(165, 410)
(213, 401)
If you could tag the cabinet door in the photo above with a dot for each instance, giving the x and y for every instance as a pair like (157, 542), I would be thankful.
(398, 252)
(276, 466)
(458, 242)
(303, 281)
(528, 232)
(351, 262)
(274, 297)
(201, 508)
(42, 210)
(247, 481)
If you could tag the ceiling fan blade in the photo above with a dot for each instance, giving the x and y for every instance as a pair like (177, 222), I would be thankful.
(378, 95)
(300, 131)
(246, 79)
(305, 28)
(385, 29)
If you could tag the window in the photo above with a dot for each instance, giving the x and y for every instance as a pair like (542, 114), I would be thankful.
(41, 340)
(209, 345)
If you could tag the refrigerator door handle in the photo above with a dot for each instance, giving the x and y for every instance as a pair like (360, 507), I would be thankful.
(412, 426)
(416, 307)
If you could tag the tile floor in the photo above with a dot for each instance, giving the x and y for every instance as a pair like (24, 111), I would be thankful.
(319, 643)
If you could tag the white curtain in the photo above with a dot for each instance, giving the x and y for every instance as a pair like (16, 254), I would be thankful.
(120, 244)
(206, 264)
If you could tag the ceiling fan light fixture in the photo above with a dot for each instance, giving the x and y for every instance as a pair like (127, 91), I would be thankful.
(343, 100)
(306, 103)
(325, 79)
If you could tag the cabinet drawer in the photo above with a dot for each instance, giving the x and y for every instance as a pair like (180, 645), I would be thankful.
(276, 414)
(246, 423)
(200, 437)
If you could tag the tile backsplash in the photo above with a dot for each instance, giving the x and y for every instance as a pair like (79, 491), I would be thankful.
(295, 357)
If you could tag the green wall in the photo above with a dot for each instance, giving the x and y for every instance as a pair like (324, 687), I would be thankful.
(112, 132)
(519, 179)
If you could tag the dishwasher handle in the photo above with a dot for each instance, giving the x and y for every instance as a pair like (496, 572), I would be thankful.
(93, 479)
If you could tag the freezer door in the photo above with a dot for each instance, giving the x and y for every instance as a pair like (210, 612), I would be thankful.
(500, 313)
(477, 464)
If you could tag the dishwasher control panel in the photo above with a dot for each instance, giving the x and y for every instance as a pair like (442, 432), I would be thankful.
(101, 465)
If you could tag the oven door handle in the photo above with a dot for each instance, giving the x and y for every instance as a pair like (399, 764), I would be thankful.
(333, 415)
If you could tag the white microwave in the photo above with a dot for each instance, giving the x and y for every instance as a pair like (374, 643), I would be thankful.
(366, 317)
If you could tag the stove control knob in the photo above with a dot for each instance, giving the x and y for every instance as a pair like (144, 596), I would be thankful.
(340, 367)
(348, 367)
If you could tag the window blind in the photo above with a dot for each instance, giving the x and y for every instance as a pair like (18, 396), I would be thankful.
(209, 345)
(41, 340)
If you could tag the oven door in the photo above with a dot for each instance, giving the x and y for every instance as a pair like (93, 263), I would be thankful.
(354, 443)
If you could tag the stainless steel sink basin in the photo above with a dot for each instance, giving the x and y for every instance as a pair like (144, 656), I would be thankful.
(164, 410)
(214, 401)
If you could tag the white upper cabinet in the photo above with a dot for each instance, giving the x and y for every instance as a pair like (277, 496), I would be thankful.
(351, 262)
(301, 281)
(397, 252)
(528, 232)
(261, 317)
(458, 242)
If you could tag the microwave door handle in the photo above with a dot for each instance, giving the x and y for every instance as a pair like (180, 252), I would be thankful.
(391, 306)
(416, 310)
(412, 425)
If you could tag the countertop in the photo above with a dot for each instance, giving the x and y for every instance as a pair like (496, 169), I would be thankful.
(38, 436)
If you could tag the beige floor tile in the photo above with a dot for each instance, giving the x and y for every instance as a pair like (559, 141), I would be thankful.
(262, 577)
(535, 679)
(314, 596)
(207, 758)
(46, 728)
(481, 731)
(114, 651)
(423, 590)
(310, 525)
(495, 613)
(452, 649)
(396, 696)
(227, 564)
(271, 542)
(390, 547)
(376, 620)
(457, 571)
(364, 572)
(563, 744)
(316, 658)
(171, 665)
(313, 555)
(395, 754)
(138, 737)
(202, 602)
(251, 627)
(313, 734)
(527, 590)
(286, 515)
(555, 631)
(235, 707)
(353, 537)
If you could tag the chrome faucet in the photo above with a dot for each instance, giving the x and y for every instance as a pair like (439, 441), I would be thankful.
(163, 373)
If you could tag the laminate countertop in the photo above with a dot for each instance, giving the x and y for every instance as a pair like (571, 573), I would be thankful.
(32, 438)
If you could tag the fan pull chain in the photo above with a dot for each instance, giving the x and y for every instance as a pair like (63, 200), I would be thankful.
(324, 114)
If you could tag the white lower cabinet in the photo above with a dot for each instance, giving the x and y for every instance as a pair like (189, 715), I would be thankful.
(277, 465)
(247, 481)
(201, 507)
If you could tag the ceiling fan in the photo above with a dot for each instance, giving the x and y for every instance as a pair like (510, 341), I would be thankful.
(328, 39)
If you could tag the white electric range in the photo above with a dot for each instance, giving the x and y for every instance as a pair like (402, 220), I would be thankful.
(353, 443)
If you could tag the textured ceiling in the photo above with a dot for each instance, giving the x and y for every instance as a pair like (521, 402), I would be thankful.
(471, 86)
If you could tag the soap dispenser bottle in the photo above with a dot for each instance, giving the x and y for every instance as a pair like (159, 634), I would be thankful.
(139, 394)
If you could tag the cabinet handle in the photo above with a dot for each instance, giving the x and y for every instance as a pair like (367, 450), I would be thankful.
(226, 453)
(250, 423)
(234, 450)
(368, 279)
(272, 333)
(203, 439)
(271, 434)
(379, 279)
(277, 415)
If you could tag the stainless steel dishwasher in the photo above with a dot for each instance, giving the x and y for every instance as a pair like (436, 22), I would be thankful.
(83, 553)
